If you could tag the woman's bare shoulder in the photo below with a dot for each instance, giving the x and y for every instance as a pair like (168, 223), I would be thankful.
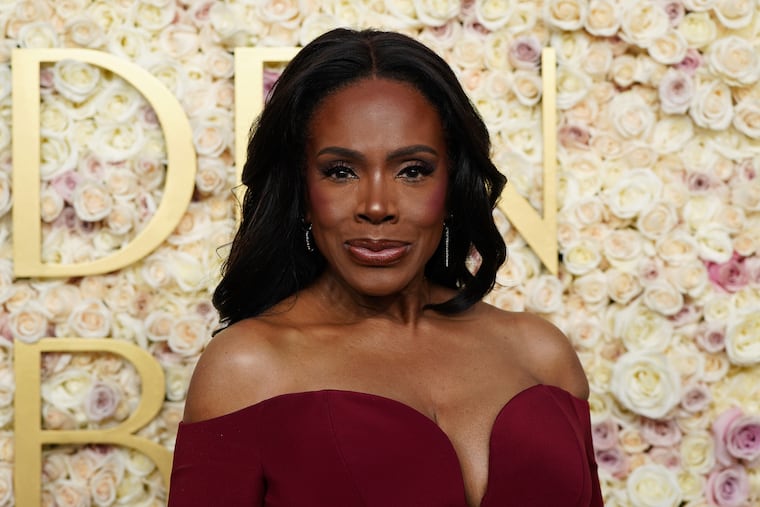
(239, 367)
(542, 349)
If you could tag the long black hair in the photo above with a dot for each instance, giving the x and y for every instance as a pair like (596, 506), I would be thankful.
(268, 260)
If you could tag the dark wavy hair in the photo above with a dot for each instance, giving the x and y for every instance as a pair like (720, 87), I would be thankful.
(268, 260)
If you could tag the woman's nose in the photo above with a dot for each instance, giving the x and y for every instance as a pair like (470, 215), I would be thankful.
(377, 202)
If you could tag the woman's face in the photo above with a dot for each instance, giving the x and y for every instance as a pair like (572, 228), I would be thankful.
(376, 177)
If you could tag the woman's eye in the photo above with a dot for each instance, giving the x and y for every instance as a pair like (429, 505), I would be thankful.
(339, 172)
(415, 171)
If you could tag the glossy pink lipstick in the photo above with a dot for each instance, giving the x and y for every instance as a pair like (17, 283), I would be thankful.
(377, 252)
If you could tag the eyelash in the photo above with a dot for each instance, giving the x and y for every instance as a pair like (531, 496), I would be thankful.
(342, 171)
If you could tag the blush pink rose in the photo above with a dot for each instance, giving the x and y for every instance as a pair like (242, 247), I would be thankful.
(666, 456)
(696, 398)
(573, 136)
(730, 275)
(101, 402)
(691, 62)
(721, 429)
(65, 184)
(676, 90)
(728, 487)
(525, 52)
(743, 438)
(675, 11)
(661, 432)
(270, 78)
(752, 267)
(711, 337)
(613, 461)
(604, 434)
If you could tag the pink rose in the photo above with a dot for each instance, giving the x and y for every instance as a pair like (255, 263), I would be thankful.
(721, 429)
(743, 438)
(573, 136)
(270, 78)
(605, 435)
(688, 314)
(101, 401)
(699, 182)
(711, 337)
(65, 183)
(728, 487)
(730, 275)
(676, 90)
(691, 62)
(752, 268)
(666, 456)
(696, 398)
(674, 9)
(614, 461)
(525, 52)
(663, 433)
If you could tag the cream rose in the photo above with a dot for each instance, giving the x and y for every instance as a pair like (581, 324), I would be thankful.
(544, 294)
(743, 340)
(118, 142)
(747, 117)
(572, 86)
(592, 287)
(653, 486)
(188, 336)
(582, 257)
(121, 219)
(153, 16)
(28, 324)
(735, 60)
(177, 379)
(565, 15)
(689, 278)
(643, 329)
(668, 49)
(630, 115)
(91, 201)
(90, 319)
(657, 220)
(602, 18)
(714, 244)
(6, 485)
(712, 106)
(598, 60)
(645, 383)
(493, 14)
(663, 297)
(633, 193)
(75, 80)
(698, 451)
(527, 87)
(643, 22)
(622, 286)
(437, 13)
(103, 486)
(671, 133)
(84, 31)
(58, 156)
(178, 41)
(698, 29)
(68, 389)
(735, 14)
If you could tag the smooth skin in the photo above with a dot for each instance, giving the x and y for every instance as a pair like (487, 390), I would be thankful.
(377, 175)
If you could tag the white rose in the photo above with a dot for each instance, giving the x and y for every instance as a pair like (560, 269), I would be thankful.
(714, 244)
(698, 29)
(68, 389)
(581, 257)
(68, 493)
(38, 34)
(602, 19)
(645, 383)
(671, 133)
(188, 336)
(690, 278)
(84, 31)
(747, 117)
(128, 42)
(51, 204)
(657, 219)
(315, 24)
(121, 219)
(437, 13)
(493, 14)
(630, 115)
(633, 193)
(91, 201)
(122, 184)
(598, 60)
(75, 80)
(544, 294)
(735, 14)
(698, 451)
(28, 324)
(138, 464)
(735, 60)
(527, 87)
(510, 299)
(623, 70)
(743, 340)
(571, 47)
(663, 297)
(117, 142)
(118, 102)
(152, 16)
(177, 379)
(653, 485)
(90, 319)
(643, 329)
(565, 15)
(747, 195)
(622, 286)
(103, 486)
(668, 49)
(468, 52)
(677, 247)
(712, 106)
(58, 156)
(57, 301)
(701, 210)
(55, 120)
(572, 86)
(592, 287)
(178, 41)
(643, 22)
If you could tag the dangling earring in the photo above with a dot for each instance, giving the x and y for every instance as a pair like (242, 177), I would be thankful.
(309, 246)
(446, 239)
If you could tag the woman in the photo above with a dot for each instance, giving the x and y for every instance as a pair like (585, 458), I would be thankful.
(358, 365)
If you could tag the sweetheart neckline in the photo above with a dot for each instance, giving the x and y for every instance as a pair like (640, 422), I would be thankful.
(408, 408)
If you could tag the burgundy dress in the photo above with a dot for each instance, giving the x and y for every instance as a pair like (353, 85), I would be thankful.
(344, 448)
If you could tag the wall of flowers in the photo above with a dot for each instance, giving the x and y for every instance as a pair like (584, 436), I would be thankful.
(659, 220)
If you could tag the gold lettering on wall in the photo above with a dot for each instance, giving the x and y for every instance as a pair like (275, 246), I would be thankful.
(540, 232)
(180, 177)
(30, 437)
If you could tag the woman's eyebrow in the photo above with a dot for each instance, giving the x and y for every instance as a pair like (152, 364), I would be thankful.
(398, 153)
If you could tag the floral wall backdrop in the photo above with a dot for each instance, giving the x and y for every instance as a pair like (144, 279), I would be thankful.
(659, 221)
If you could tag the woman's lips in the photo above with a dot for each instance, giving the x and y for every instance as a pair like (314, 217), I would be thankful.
(373, 252)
